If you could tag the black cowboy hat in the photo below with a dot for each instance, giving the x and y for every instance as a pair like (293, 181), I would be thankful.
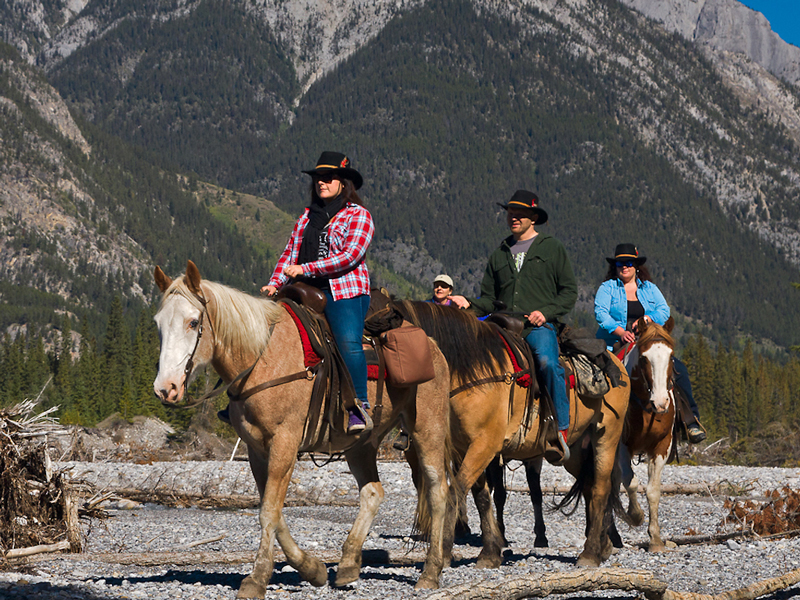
(627, 252)
(527, 200)
(339, 164)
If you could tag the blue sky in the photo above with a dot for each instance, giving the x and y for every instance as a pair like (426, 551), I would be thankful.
(783, 16)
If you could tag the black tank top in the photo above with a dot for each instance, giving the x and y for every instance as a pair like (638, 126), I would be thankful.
(635, 312)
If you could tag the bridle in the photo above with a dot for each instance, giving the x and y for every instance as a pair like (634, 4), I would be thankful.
(309, 373)
(637, 375)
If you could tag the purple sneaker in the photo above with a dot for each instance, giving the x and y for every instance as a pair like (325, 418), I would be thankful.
(359, 421)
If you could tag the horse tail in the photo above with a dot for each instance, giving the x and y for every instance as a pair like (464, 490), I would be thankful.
(586, 476)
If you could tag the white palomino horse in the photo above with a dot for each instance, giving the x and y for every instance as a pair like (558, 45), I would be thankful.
(202, 323)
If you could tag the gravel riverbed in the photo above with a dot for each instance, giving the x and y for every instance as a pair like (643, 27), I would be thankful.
(323, 505)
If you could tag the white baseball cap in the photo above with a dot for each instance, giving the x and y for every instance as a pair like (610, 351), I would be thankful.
(444, 279)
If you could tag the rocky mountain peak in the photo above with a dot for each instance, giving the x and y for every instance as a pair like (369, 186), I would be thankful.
(726, 26)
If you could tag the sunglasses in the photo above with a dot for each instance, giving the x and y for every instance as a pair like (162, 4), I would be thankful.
(628, 263)
(324, 178)
(439, 284)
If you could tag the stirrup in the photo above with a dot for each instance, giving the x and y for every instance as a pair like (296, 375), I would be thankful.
(403, 441)
(557, 453)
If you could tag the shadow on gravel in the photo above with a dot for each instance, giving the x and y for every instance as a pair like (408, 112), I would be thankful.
(231, 580)
(47, 591)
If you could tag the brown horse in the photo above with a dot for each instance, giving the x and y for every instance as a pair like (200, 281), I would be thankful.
(651, 420)
(649, 431)
(202, 323)
(486, 421)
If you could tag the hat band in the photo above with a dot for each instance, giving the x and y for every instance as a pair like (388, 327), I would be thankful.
(626, 256)
(522, 204)
(327, 167)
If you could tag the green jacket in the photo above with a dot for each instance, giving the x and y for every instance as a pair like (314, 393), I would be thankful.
(545, 282)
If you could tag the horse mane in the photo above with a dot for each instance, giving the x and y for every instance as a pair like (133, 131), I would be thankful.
(472, 348)
(654, 332)
(239, 320)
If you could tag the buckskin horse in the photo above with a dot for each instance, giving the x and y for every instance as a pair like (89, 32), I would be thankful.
(487, 418)
(203, 323)
(649, 431)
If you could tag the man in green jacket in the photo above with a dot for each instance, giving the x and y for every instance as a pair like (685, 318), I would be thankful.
(531, 274)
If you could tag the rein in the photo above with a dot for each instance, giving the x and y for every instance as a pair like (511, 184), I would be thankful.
(308, 373)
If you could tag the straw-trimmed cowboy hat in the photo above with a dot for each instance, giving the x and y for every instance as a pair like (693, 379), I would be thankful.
(625, 252)
(527, 200)
(339, 164)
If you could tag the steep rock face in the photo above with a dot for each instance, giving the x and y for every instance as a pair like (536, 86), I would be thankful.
(49, 222)
(31, 24)
(726, 26)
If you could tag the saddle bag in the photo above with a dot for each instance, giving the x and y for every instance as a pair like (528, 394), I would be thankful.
(407, 355)
(590, 381)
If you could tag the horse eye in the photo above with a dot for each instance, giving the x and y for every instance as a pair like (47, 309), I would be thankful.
(194, 323)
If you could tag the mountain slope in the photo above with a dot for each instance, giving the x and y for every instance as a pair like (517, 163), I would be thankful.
(629, 132)
(82, 218)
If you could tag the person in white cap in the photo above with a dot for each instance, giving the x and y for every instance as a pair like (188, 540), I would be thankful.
(442, 288)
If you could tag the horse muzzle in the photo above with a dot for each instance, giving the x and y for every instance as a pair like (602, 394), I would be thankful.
(170, 396)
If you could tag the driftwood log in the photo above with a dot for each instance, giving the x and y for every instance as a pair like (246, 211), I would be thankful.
(590, 580)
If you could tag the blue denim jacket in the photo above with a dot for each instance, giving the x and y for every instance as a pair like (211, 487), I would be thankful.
(611, 307)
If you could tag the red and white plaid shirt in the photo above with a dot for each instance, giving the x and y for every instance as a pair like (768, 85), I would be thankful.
(349, 235)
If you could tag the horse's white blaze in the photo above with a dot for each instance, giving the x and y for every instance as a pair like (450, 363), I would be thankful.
(178, 339)
(659, 356)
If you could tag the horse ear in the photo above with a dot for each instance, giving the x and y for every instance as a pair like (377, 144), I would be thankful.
(641, 325)
(669, 325)
(162, 281)
(193, 278)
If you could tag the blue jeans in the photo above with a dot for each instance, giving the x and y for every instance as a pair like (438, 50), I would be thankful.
(683, 382)
(544, 343)
(346, 318)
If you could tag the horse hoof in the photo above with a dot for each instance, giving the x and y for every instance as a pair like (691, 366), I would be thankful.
(586, 561)
(346, 575)
(656, 548)
(318, 574)
(637, 517)
(251, 589)
(488, 562)
(427, 583)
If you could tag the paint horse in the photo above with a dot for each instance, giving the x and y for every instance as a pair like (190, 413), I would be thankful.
(650, 427)
(649, 430)
(202, 323)
(487, 419)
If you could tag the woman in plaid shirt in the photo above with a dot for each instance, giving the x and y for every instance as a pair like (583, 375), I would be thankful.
(326, 250)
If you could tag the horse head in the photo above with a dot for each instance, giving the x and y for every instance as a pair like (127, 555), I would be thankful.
(651, 376)
(180, 320)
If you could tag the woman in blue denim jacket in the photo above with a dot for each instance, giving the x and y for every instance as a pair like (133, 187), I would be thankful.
(623, 298)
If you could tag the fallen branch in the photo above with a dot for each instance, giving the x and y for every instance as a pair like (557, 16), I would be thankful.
(714, 538)
(685, 489)
(206, 541)
(541, 585)
(30, 551)
(591, 580)
(755, 590)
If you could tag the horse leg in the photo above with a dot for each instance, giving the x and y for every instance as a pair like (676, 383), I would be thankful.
(493, 540)
(654, 467)
(533, 473)
(430, 440)
(473, 465)
(631, 484)
(497, 486)
(362, 461)
(596, 494)
(272, 479)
